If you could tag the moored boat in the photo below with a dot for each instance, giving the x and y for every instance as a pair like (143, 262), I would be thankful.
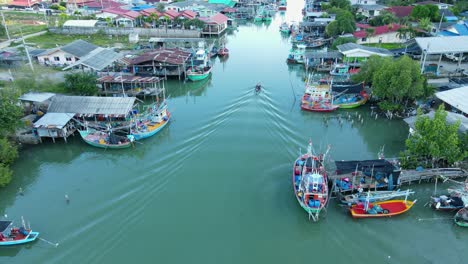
(372, 196)
(10, 235)
(282, 5)
(449, 202)
(200, 68)
(461, 217)
(380, 209)
(106, 140)
(214, 52)
(318, 97)
(151, 123)
(297, 55)
(284, 28)
(223, 52)
(310, 184)
(347, 101)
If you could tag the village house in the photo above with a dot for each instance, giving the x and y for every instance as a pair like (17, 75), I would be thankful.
(91, 6)
(99, 60)
(451, 29)
(400, 11)
(22, 4)
(121, 17)
(381, 34)
(354, 53)
(161, 62)
(368, 8)
(67, 54)
(202, 8)
(438, 4)
(214, 25)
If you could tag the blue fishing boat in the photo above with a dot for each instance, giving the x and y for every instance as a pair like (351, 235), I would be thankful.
(10, 235)
(151, 123)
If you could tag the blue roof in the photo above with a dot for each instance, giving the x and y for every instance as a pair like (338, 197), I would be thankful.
(462, 30)
(451, 18)
(141, 7)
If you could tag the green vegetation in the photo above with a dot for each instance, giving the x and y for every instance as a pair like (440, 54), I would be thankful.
(385, 45)
(434, 142)
(426, 11)
(50, 40)
(25, 80)
(10, 114)
(395, 82)
(81, 83)
(344, 22)
(384, 18)
(342, 40)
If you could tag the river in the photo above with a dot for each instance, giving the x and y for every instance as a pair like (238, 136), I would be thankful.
(214, 186)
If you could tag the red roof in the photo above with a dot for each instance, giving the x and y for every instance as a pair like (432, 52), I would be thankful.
(188, 14)
(98, 4)
(378, 30)
(359, 25)
(115, 10)
(149, 11)
(131, 14)
(171, 14)
(216, 19)
(400, 11)
(23, 3)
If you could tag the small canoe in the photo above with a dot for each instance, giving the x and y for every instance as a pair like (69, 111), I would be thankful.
(381, 209)
(461, 217)
(447, 203)
(10, 236)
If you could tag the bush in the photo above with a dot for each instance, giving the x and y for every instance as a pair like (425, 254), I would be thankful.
(5, 175)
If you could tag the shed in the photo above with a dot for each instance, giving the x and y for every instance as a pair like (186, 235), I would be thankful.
(80, 23)
(55, 125)
(36, 97)
(457, 98)
(92, 105)
(97, 60)
(438, 45)
(451, 119)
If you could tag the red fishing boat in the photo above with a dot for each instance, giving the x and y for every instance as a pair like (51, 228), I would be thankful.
(318, 97)
(381, 209)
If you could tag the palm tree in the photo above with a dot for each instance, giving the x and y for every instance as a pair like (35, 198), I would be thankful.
(154, 17)
(425, 24)
(369, 32)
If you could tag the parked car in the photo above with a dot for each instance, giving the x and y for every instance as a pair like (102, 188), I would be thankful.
(454, 57)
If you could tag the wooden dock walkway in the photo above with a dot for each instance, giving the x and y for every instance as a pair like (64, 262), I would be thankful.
(409, 176)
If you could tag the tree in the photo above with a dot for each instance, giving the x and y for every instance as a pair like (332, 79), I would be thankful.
(160, 7)
(395, 82)
(344, 23)
(384, 18)
(154, 18)
(81, 83)
(425, 24)
(423, 11)
(343, 4)
(5, 175)
(342, 40)
(8, 152)
(369, 33)
(405, 32)
(434, 142)
(10, 112)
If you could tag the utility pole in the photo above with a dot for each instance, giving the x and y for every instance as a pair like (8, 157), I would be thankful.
(4, 24)
(27, 51)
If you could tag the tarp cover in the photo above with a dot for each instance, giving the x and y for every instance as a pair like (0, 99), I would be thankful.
(4, 225)
(344, 167)
(347, 87)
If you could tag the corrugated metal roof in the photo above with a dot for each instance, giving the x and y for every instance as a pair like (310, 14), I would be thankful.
(80, 23)
(451, 119)
(36, 97)
(78, 48)
(97, 59)
(353, 46)
(439, 45)
(58, 120)
(91, 105)
(456, 97)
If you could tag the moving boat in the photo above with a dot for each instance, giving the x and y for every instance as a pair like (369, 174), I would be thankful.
(318, 97)
(106, 140)
(10, 235)
(200, 68)
(310, 183)
(151, 123)
(461, 217)
(380, 209)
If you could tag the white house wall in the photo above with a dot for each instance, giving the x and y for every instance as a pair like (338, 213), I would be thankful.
(58, 58)
(390, 37)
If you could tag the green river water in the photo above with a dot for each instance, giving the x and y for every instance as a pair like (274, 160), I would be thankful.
(215, 185)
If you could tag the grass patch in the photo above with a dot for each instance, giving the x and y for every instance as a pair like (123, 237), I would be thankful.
(50, 40)
(386, 45)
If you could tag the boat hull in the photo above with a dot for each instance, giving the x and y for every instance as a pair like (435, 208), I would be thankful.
(32, 236)
(459, 219)
(84, 134)
(143, 135)
(302, 202)
(353, 105)
(324, 110)
(198, 76)
(393, 207)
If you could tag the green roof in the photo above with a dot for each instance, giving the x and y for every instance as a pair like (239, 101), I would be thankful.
(229, 3)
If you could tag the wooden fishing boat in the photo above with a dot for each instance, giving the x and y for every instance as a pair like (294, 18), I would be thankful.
(106, 140)
(222, 52)
(310, 183)
(449, 202)
(348, 101)
(200, 68)
(380, 209)
(374, 196)
(318, 97)
(152, 122)
(10, 235)
(284, 28)
(461, 217)
(214, 52)
(282, 5)
(297, 56)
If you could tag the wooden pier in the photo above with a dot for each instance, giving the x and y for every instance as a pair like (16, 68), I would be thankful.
(410, 176)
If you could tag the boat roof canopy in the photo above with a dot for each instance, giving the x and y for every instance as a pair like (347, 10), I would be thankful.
(4, 225)
(379, 165)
